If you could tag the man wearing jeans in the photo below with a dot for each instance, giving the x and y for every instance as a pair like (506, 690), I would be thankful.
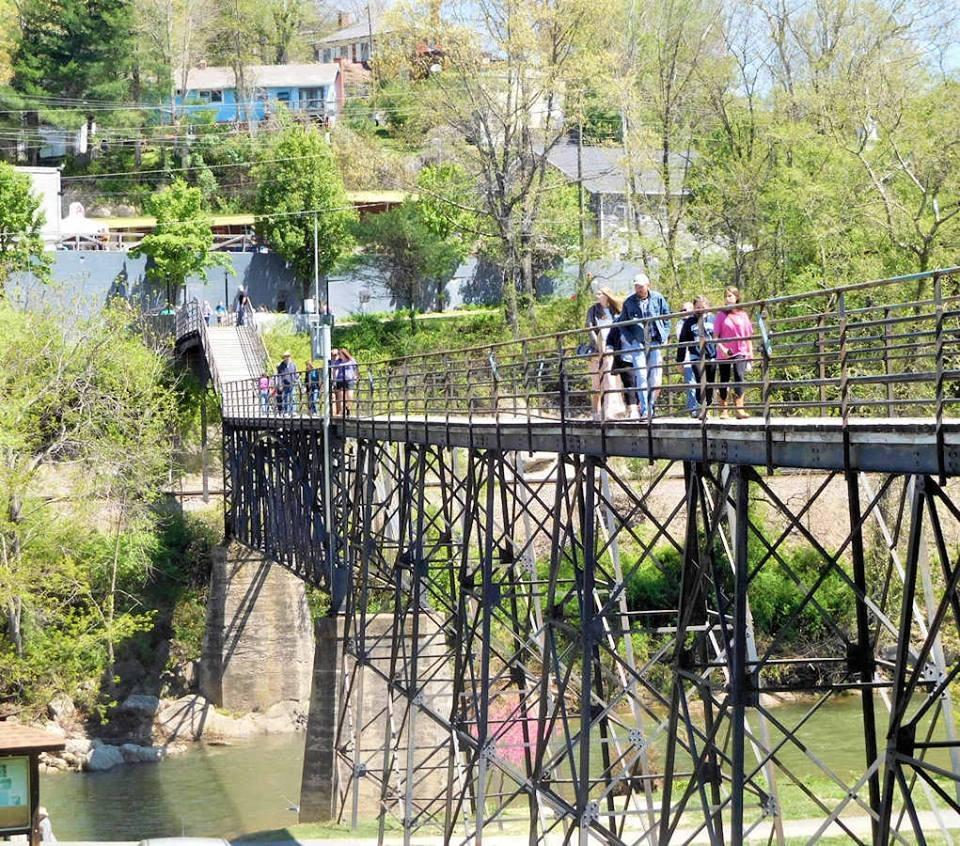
(640, 342)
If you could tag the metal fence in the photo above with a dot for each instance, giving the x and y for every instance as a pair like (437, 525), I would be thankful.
(889, 348)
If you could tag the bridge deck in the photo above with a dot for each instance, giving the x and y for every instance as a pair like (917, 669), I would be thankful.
(908, 445)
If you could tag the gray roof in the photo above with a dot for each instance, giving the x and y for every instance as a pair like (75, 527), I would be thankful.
(604, 171)
(312, 75)
(354, 32)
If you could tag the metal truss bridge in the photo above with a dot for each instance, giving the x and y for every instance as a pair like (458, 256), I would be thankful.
(585, 630)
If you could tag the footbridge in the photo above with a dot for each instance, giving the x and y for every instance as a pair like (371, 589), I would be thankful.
(557, 628)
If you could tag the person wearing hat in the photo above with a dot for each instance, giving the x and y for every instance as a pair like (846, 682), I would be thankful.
(44, 828)
(644, 328)
(287, 377)
(606, 396)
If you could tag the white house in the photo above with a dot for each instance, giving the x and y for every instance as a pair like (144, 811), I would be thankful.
(354, 42)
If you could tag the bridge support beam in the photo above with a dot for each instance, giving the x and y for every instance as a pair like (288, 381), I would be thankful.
(318, 788)
(249, 661)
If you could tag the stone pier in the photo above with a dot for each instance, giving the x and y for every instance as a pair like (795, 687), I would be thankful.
(258, 646)
(325, 779)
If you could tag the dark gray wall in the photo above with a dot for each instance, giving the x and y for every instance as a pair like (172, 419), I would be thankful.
(85, 280)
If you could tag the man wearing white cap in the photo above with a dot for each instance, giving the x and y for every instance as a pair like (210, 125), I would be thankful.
(641, 341)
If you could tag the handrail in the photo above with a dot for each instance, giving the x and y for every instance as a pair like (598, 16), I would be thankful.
(846, 352)
(751, 305)
(189, 320)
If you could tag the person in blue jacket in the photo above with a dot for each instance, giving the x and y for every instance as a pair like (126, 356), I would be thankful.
(641, 342)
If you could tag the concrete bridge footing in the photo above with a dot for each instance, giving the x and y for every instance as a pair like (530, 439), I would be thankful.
(353, 701)
(258, 645)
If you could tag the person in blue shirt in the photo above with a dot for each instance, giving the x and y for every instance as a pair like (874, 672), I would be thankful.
(640, 342)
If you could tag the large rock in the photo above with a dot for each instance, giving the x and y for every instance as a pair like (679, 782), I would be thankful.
(281, 718)
(141, 705)
(61, 708)
(104, 757)
(134, 754)
(193, 717)
(79, 746)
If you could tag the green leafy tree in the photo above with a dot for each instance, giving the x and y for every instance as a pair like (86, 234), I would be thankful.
(86, 403)
(417, 262)
(182, 243)
(446, 201)
(299, 184)
(74, 49)
(21, 219)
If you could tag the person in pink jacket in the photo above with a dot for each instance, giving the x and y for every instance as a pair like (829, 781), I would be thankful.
(734, 331)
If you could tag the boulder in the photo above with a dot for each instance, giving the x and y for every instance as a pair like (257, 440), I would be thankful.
(141, 705)
(61, 708)
(104, 757)
(55, 728)
(282, 717)
(193, 717)
(134, 754)
(183, 717)
(79, 746)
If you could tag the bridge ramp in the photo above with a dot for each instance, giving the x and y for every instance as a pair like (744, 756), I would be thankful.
(226, 349)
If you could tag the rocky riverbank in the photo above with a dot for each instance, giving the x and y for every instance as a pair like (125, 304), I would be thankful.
(145, 729)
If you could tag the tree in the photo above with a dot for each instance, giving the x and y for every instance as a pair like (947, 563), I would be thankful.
(181, 244)
(21, 220)
(417, 262)
(498, 80)
(297, 184)
(445, 197)
(76, 50)
(663, 55)
(86, 403)
(8, 11)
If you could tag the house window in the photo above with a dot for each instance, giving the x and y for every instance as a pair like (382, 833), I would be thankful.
(344, 51)
(210, 96)
(365, 51)
(311, 99)
(283, 96)
(327, 55)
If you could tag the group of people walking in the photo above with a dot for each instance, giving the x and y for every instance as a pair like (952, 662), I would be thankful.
(286, 391)
(627, 337)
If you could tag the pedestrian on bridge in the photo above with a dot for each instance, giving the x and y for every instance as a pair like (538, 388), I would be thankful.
(644, 328)
(734, 332)
(264, 389)
(606, 396)
(696, 353)
(314, 379)
(287, 377)
(345, 373)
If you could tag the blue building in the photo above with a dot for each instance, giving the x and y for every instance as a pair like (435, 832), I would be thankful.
(315, 90)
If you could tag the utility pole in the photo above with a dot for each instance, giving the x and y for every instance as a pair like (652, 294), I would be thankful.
(582, 269)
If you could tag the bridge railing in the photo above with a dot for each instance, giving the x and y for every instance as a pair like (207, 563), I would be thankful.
(888, 347)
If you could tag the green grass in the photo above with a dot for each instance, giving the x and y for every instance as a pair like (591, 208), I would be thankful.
(372, 338)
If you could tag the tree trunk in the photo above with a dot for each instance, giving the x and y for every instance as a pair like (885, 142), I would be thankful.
(510, 300)
(14, 613)
(15, 604)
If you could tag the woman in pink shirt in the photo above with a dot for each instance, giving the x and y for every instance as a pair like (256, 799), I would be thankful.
(733, 331)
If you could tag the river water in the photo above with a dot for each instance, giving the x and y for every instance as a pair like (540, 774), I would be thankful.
(251, 785)
(220, 791)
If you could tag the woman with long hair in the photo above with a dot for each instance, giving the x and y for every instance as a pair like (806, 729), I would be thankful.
(345, 373)
(734, 333)
(606, 395)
